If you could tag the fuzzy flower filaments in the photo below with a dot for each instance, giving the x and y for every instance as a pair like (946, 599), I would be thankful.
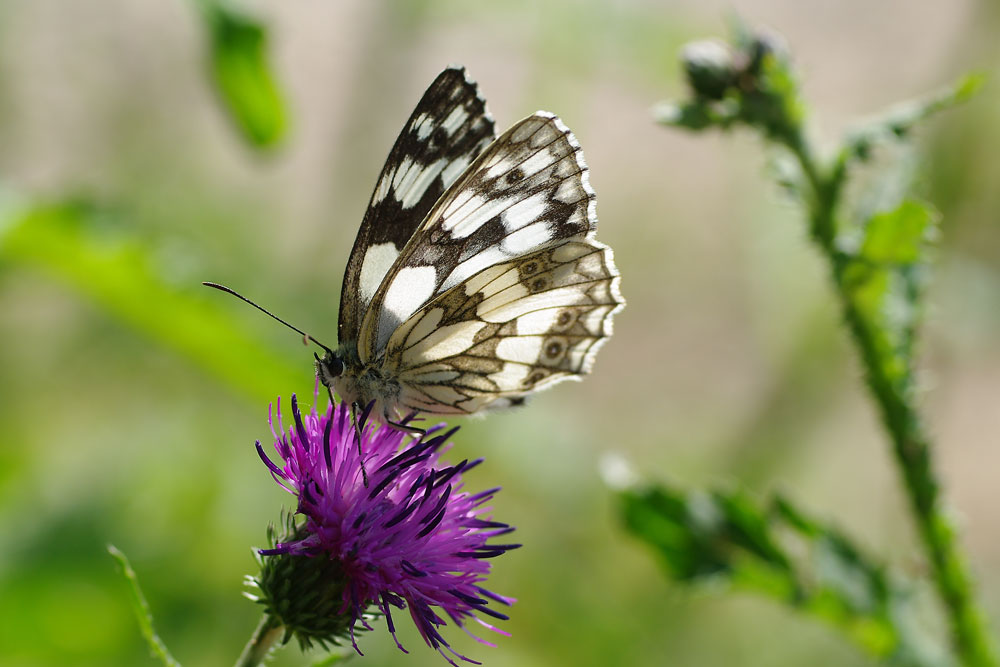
(412, 539)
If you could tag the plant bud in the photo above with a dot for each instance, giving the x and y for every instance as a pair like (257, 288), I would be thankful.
(708, 65)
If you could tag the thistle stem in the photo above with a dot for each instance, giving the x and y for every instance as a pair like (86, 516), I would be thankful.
(263, 639)
(912, 446)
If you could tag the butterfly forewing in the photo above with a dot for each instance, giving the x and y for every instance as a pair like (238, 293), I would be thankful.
(449, 127)
(528, 190)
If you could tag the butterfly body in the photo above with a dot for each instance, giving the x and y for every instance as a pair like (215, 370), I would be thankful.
(475, 278)
(359, 384)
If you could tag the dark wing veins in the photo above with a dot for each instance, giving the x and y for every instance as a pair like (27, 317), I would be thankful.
(449, 127)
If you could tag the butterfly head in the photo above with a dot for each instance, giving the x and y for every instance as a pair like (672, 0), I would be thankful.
(329, 367)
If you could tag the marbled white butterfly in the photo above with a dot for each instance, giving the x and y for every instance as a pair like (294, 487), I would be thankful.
(475, 278)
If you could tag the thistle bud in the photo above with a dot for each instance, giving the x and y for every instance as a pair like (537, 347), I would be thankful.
(709, 67)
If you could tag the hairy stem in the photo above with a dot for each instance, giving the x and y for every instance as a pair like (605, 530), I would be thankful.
(263, 639)
(912, 446)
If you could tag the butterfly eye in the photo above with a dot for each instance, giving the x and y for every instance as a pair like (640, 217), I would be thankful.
(334, 366)
(329, 367)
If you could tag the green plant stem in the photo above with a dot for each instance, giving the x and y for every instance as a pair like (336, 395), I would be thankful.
(255, 652)
(141, 609)
(912, 446)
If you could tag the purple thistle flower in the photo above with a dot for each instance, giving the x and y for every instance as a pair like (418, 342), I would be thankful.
(410, 539)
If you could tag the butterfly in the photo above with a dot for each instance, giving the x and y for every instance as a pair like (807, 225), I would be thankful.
(475, 278)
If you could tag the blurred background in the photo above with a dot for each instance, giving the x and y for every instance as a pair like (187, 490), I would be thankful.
(121, 423)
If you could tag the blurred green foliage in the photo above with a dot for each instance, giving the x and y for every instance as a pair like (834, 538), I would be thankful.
(726, 540)
(241, 72)
(71, 241)
(900, 121)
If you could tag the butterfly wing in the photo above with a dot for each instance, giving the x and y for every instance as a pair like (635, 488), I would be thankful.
(513, 328)
(502, 290)
(449, 127)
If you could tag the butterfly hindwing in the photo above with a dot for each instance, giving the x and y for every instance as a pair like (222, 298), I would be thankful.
(513, 328)
(449, 127)
(527, 191)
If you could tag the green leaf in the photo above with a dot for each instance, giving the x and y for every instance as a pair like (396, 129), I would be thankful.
(70, 241)
(898, 237)
(242, 75)
(141, 608)
(699, 535)
(777, 551)
(883, 281)
(898, 122)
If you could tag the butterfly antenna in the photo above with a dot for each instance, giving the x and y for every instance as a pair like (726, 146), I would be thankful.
(227, 290)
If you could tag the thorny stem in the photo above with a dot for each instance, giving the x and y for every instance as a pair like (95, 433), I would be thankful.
(255, 652)
(912, 445)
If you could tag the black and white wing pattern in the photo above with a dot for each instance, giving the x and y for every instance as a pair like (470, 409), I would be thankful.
(514, 328)
(449, 127)
(502, 290)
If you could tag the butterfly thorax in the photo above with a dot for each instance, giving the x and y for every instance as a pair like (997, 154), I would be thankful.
(359, 383)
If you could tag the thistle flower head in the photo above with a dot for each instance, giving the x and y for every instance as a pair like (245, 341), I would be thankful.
(411, 539)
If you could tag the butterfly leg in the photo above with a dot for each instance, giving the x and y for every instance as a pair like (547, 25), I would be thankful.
(405, 428)
(357, 430)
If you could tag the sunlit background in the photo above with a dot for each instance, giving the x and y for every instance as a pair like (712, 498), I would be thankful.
(727, 366)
